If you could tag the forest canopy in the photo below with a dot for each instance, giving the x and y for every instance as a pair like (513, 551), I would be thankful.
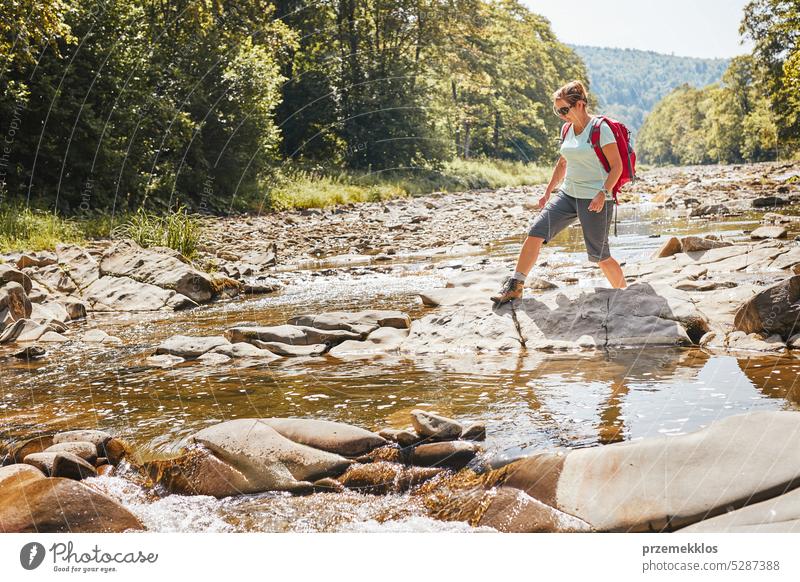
(120, 103)
(753, 114)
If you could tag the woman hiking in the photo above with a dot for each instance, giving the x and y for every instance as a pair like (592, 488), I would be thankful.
(584, 194)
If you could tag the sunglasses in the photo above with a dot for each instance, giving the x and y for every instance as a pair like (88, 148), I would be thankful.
(562, 111)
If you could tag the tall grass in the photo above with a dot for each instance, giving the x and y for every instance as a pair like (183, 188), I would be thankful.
(178, 230)
(306, 188)
(23, 228)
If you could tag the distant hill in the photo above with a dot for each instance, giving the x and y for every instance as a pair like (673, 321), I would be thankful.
(629, 82)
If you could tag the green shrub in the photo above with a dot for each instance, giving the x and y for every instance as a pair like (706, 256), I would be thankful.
(177, 230)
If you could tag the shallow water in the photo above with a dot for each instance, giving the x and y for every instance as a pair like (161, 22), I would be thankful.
(528, 402)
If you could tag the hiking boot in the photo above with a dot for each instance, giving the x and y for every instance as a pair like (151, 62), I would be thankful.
(511, 289)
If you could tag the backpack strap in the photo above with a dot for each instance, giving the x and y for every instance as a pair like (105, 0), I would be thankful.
(594, 139)
(564, 130)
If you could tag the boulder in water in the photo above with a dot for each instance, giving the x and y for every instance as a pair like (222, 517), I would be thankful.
(662, 484)
(268, 460)
(775, 310)
(334, 437)
(59, 505)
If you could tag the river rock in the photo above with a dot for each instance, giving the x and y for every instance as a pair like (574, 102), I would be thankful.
(13, 475)
(126, 294)
(775, 310)
(768, 201)
(297, 335)
(190, 347)
(361, 322)
(404, 438)
(667, 483)
(540, 284)
(213, 359)
(739, 340)
(9, 274)
(75, 308)
(768, 232)
(381, 341)
(450, 454)
(77, 265)
(19, 450)
(43, 461)
(160, 267)
(568, 318)
(40, 259)
(30, 353)
(326, 435)
(267, 459)
(475, 432)
(289, 350)
(513, 511)
(430, 425)
(27, 330)
(114, 450)
(13, 298)
(164, 360)
(244, 350)
(71, 466)
(710, 209)
(199, 472)
(52, 337)
(669, 248)
(59, 505)
(695, 243)
(97, 437)
(49, 310)
(98, 336)
(83, 449)
(780, 514)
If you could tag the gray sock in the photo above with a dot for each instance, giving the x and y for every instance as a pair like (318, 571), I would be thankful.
(519, 276)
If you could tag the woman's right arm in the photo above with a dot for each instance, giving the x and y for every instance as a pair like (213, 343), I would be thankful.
(558, 176)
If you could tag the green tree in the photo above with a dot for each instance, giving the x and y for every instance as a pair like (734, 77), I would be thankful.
(774, 28)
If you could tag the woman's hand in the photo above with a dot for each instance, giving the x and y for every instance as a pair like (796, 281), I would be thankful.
(597, 203)
(543, 200)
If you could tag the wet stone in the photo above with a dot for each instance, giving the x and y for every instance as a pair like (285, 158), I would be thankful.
(450, 454)
(430, 425)
(474, 432)
(71, 466)
(85, 450)
(97, 437)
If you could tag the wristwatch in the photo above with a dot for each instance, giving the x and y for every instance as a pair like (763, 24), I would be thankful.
(604, 189)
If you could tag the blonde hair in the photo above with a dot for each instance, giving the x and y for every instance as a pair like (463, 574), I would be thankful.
(572, 92)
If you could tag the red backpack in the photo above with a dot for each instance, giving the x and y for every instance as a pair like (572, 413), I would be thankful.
(623, 136)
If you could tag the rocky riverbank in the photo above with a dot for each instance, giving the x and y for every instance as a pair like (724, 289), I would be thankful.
(739, 474)
(726, 292)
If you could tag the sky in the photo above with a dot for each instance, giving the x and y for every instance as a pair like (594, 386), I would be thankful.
(693, 28)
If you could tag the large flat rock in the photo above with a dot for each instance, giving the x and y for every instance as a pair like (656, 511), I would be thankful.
(296, 335)
(777, 515)
(58, 505)
(334, 437)
(268, 460)
(570, 318)
(668, 483)
(125, 294)
(160, 267)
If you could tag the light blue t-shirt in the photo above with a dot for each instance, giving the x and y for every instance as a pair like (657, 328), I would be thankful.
(585, 174)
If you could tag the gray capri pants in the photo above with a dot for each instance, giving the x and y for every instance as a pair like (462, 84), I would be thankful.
(562, 210)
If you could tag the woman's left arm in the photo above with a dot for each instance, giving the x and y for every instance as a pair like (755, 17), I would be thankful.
(615, 161)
